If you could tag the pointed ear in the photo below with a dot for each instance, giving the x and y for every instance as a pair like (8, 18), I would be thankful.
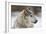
(24, 11)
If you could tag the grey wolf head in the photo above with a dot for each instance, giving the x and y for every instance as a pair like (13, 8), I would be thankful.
(28, 12)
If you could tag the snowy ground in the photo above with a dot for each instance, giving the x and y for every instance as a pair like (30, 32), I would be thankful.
(14, 16)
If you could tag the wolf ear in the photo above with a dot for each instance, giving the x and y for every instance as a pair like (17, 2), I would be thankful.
(24, 10)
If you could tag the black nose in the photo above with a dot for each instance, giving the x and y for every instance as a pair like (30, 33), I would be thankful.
(35, 21)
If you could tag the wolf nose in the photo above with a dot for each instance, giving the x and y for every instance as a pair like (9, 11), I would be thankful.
(35, 21)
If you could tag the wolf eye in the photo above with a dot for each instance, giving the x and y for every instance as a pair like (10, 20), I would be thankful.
(31, 15)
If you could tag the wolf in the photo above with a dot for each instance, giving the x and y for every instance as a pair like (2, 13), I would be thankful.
(25, 19)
